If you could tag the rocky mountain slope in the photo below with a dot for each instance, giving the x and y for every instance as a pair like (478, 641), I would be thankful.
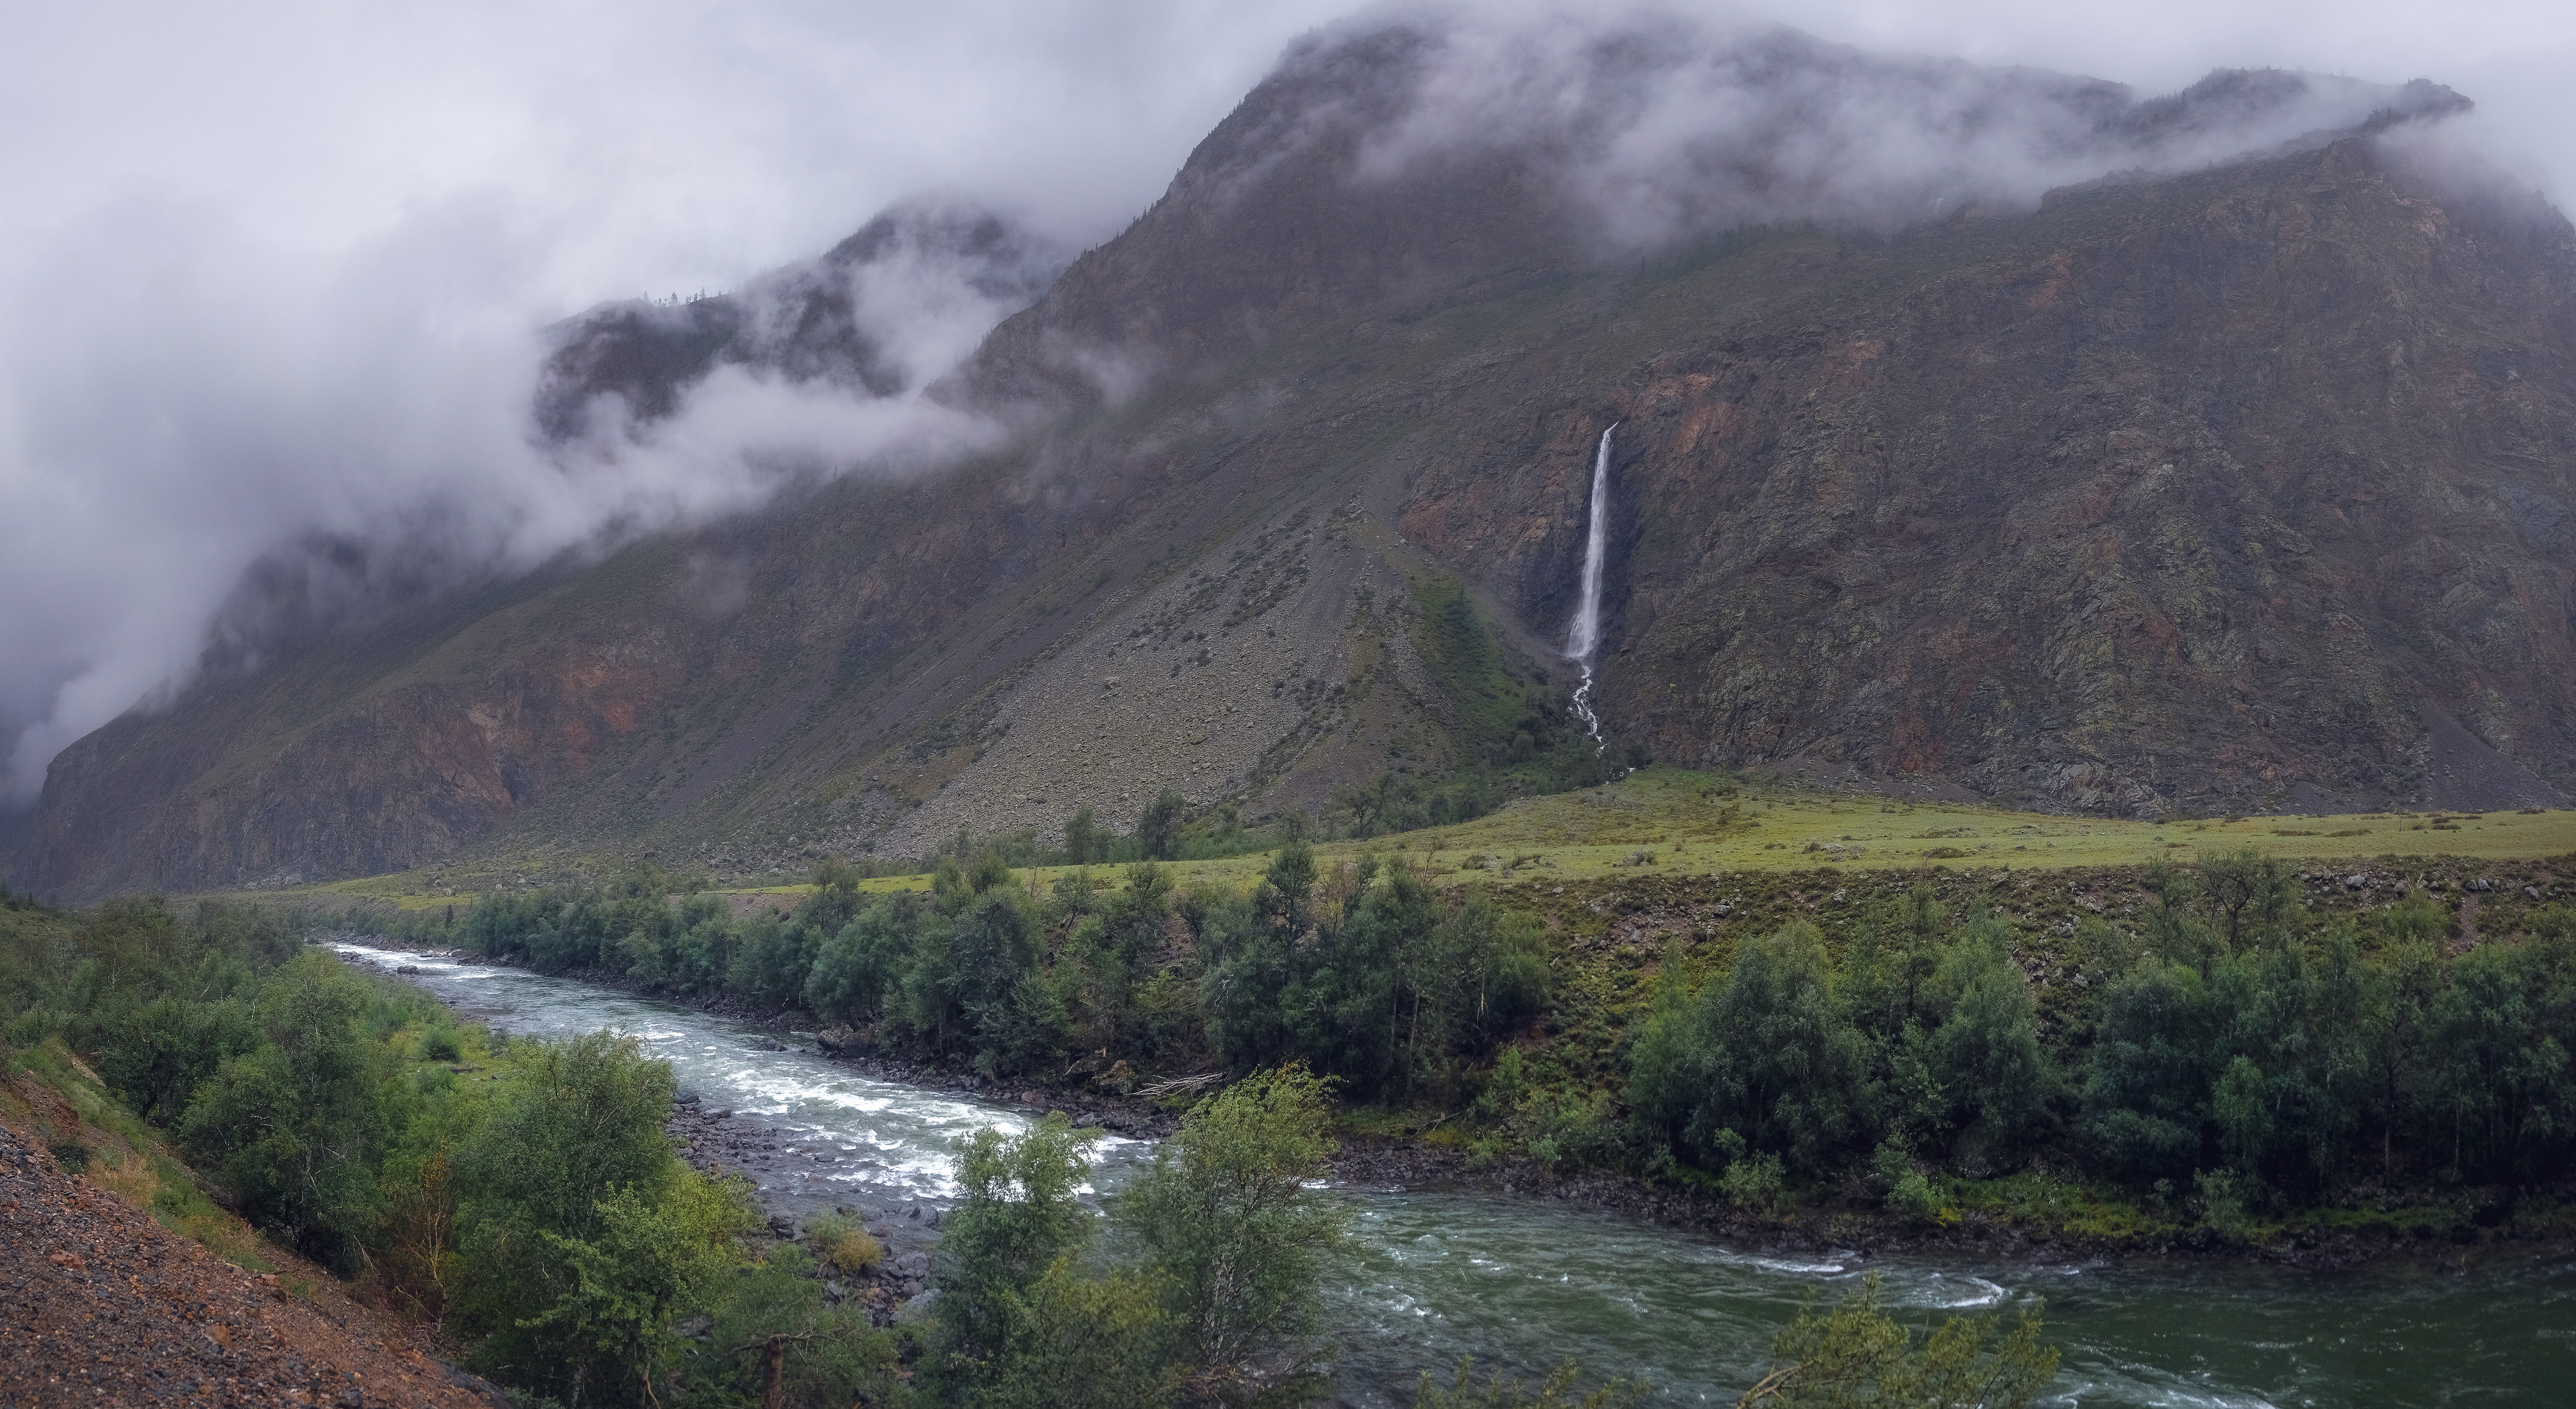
(2235, 481)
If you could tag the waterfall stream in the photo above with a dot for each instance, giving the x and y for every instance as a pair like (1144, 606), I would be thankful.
(1585, 640)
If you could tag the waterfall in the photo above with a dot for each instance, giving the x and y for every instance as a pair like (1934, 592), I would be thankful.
(1585, 640)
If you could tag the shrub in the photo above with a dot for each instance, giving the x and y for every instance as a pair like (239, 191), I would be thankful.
(1856, 1354)
(841, 1244)
(1753, 1182)
(1502, 1392)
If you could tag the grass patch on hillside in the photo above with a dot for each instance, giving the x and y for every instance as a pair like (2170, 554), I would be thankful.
(1675, 822)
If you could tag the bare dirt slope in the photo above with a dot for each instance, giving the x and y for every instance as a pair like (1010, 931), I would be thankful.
(101, 1305)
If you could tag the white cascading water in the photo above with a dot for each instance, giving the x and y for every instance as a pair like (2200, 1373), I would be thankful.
(1586, 637)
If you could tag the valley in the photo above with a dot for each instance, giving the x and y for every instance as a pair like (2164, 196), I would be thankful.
(1646, 691)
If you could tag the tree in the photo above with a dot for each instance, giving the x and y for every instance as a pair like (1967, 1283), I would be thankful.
(1855, 1355)
(991, 962)
(857, 967)
(1251, 961)
(2153, 1069)
(1350, 988)
(1020, 1213)
(569, 1123)
(1084, 843)
(773, 1335)
(1986, 1054)
(1082, 1341)
(294, 1126)
(1241, 1242)
(2502, 1087)
(1767, 1054)
(1158, 830)
(647, 1261)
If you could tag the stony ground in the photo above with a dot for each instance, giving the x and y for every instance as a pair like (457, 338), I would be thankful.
(101, 1305)
(1190, 687)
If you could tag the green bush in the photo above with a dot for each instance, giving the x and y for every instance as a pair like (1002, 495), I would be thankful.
(1502, 1392)
(1754, 1182)
(1856, 1354)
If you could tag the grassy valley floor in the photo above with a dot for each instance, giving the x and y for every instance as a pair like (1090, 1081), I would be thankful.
(1671, 823)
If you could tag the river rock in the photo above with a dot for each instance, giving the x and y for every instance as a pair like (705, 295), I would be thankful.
(838, 1041)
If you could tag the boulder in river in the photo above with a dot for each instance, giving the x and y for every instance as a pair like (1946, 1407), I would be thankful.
(838, 1041)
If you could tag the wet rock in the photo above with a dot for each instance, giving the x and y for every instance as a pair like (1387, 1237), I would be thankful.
(838, 1040)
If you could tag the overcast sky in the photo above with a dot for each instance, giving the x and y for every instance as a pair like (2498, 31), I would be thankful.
(270, 267)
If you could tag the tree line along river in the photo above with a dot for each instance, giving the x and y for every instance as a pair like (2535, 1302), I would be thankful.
(1437, 1273)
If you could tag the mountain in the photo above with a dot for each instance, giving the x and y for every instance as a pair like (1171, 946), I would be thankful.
(1976, 429)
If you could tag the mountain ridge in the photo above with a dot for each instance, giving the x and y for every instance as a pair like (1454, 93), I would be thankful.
(2024, 501)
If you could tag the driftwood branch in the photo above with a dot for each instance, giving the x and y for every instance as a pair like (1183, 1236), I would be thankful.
(1770, 1385)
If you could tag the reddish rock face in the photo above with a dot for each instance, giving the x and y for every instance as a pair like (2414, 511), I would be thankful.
(2235, 490)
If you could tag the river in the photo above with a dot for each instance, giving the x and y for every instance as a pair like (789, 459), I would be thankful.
(1520, 1284)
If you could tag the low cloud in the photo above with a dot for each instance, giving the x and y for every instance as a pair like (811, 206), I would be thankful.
(222, 444)
(1662, 126)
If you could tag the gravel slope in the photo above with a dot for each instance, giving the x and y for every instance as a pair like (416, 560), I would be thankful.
(101, 1305)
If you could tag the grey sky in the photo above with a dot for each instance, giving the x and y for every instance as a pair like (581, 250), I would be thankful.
(270, 268)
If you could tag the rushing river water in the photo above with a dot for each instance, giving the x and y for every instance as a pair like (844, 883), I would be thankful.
(1436, 1274)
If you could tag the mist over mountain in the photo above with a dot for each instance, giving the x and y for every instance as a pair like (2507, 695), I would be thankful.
(1981, 428)
(880, 314)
